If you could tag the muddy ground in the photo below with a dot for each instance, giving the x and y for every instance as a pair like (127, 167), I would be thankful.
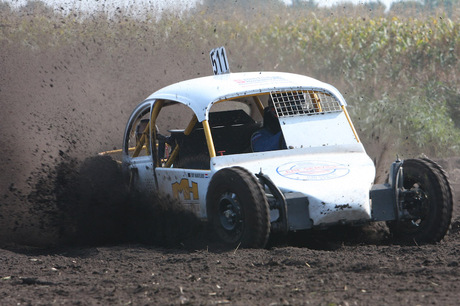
(356, 274)
(59, 245)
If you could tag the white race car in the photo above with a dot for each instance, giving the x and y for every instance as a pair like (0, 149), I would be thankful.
(263, 152)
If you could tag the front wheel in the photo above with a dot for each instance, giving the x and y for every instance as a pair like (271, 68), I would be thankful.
(425, 203)
(237, 209)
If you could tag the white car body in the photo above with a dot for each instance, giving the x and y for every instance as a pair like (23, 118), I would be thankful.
(324, 162)
(259, 153)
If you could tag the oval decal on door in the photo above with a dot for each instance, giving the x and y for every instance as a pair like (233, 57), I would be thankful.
(312, 170)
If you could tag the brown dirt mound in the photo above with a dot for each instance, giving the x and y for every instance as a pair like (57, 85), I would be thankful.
(89, 204)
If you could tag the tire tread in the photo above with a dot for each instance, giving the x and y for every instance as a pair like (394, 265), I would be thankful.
(258, 236)
(440, 225)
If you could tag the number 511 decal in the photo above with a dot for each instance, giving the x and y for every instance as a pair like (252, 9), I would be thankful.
(219, 61)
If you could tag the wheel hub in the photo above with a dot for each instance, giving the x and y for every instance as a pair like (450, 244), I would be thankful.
(229, 211)
(414, 203)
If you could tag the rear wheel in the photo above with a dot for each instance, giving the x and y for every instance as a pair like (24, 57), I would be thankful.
(237, 209)
(425, 203)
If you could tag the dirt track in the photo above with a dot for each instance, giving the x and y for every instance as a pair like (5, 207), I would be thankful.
(66, 104)
(356, 274)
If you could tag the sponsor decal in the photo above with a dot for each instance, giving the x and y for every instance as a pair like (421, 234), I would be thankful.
(188, 191)
(312, 170)
(260, 80)
(198, 175)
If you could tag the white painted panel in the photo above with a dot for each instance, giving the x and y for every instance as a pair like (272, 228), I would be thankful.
(317, 130)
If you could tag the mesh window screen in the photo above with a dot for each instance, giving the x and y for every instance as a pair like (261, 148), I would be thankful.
(309, 102)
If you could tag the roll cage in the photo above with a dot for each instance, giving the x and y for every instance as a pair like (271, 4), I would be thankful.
(225, 132)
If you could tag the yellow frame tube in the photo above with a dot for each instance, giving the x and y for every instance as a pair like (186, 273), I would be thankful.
(172, 157)
(190, 126)
(175, 152)
(349, 122)
(141, 143)
(316, 102)
(259, 104)
(207, 133)
(156, 110)
(113, 151)
(117, 151)
(153, 118)
(147, 139)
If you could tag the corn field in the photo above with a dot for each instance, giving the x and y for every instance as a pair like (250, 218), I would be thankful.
(398, 73)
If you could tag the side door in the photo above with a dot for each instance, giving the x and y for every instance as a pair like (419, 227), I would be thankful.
(181, 156)
(188, 186)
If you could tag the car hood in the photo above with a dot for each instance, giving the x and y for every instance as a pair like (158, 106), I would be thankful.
(333, 177)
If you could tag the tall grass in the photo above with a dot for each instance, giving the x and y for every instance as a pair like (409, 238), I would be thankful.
(398, 73)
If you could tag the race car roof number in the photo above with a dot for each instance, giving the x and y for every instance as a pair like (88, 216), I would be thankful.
(219, 61)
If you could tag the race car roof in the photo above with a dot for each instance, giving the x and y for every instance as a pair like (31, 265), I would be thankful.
(199, 94)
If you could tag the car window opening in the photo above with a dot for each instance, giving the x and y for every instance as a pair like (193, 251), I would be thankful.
(233, 129)
(269, 137)
(139, 136)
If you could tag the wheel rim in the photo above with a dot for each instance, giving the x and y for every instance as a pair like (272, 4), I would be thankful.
(417, 204)
(230, 216)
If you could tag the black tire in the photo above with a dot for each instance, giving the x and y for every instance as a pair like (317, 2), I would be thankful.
(237, 209)
(431, 208)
